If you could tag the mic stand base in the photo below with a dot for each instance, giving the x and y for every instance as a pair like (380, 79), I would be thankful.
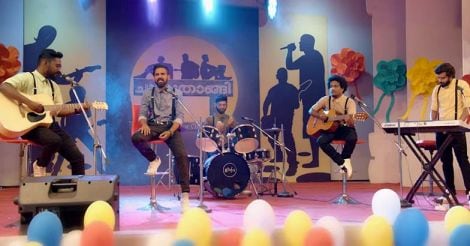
(204, 207)
(405, 204)
(285, 194)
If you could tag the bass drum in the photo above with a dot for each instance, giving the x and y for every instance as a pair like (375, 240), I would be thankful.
(227, 174)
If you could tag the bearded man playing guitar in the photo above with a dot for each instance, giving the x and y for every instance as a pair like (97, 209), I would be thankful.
(342, 127)
(19, 90)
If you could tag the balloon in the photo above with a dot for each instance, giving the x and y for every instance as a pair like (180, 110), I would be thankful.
(230, 237)
(97, 233)
(100, 211)
(460, 236)
(456, 216)
(335, 228)
(183, 242)
(386, 203)
(72, 238)
(376, 231)
(318, 236)
(411, 228)
(296, 227)
(33, 244)
(259, 215)
(256, 237)
(45, 228)
(195, 225)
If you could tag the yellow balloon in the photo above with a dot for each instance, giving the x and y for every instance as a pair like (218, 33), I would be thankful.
(33, 244)
(456, 216)
(296, 227)
(256, 237)
(100, 211)
(195, 225)
(376, 231)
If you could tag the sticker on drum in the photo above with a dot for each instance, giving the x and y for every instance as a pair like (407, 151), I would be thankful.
(227, 174)
(209, 141)
(245, 139)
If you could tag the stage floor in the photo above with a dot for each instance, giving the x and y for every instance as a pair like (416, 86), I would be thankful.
(313, 198)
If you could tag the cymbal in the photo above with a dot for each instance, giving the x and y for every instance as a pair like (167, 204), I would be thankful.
(274, 129)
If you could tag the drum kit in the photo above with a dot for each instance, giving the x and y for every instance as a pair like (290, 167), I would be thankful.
(234, 159)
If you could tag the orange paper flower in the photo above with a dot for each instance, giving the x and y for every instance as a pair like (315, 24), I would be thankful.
(9, 63)
(348, 64)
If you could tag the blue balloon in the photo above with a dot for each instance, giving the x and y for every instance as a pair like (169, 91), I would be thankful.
(411, 228)
(45, 228)
(460, 236)
(183, 242)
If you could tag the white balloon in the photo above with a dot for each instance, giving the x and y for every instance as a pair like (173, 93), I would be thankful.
(386, 203)
(335, 228)
(259, 215)
(73, 238)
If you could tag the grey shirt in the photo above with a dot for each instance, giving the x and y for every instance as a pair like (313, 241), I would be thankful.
(163, 105)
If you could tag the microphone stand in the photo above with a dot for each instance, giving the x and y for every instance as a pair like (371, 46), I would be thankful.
(285, 149)
(96, 140)
(401, 151)
(201, 129)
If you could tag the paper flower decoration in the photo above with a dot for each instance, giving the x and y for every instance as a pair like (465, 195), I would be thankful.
(422, 82)
(466, 77)
(348, 64)
(9, 63)
(391, 77)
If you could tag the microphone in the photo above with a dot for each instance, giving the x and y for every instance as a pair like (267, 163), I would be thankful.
(68, 79)
(358, 100)
(289, 45)
(285, 47)
(247, 118)
(460, 88)
(170, 92)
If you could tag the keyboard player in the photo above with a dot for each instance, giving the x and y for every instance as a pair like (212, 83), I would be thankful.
(450, 101)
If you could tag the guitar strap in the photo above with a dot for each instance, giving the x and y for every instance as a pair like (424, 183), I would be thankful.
(345, 105)
(35, 89)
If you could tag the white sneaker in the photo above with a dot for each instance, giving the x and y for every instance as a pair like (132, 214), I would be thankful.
(184, 202)
(347, 167)
(38, 171)
(153, 166)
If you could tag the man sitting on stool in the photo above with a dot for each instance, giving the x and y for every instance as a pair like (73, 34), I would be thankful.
(160, 117)
(341, 104)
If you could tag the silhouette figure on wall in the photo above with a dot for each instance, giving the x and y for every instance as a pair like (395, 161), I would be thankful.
(312, 83)
(209, 71)
(282, 99)
(149, 69)
(46, 36)
(189, 69)
(77, 75)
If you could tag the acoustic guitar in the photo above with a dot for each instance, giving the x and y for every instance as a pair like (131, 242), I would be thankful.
(17, 119)
(315, 126)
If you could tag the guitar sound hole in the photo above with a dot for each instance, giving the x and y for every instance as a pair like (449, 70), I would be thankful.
(33, 117)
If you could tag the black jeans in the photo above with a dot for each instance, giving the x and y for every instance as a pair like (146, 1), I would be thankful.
(348, 134)
(176, 145)
(459, 144)
(54, 139)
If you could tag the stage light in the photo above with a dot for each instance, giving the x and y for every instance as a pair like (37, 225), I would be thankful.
(208, 6)
(272, 8)
(153, 12)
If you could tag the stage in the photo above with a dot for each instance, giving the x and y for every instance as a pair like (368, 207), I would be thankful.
(137, 223)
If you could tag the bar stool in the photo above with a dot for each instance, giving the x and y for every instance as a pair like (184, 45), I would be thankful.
(429, 145)
(24, 156)
(154, 182)
(344, 198)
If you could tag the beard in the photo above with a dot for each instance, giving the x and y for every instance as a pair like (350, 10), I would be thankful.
(221, 111)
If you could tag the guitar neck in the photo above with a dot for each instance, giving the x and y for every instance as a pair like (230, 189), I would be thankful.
(340, 117)
(61, 107)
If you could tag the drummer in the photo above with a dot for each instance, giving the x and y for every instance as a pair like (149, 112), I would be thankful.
(220, 120)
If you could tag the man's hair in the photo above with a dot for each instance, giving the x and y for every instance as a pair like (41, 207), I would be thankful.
(445, 68)
(160, 66)
(49, 54)
(221, 98)
(342, 82)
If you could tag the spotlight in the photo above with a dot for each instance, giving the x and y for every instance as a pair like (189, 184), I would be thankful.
(272, 8)
(208, 6)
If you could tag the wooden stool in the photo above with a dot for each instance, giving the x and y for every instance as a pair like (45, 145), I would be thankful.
(344, 198)
(429, 145)
(25, 154)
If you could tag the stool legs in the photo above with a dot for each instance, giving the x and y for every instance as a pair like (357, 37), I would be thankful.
(344, 198)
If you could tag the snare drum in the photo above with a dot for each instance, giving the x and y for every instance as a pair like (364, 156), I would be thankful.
(258, 155)
(209, 140)
(227, 174)
(245, 139)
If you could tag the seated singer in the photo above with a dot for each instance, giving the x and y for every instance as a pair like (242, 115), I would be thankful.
(342, 105)
(220, 120)
(53, 139)
(160, 117)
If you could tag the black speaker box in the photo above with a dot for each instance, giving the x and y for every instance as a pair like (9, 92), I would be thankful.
(67, 196)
